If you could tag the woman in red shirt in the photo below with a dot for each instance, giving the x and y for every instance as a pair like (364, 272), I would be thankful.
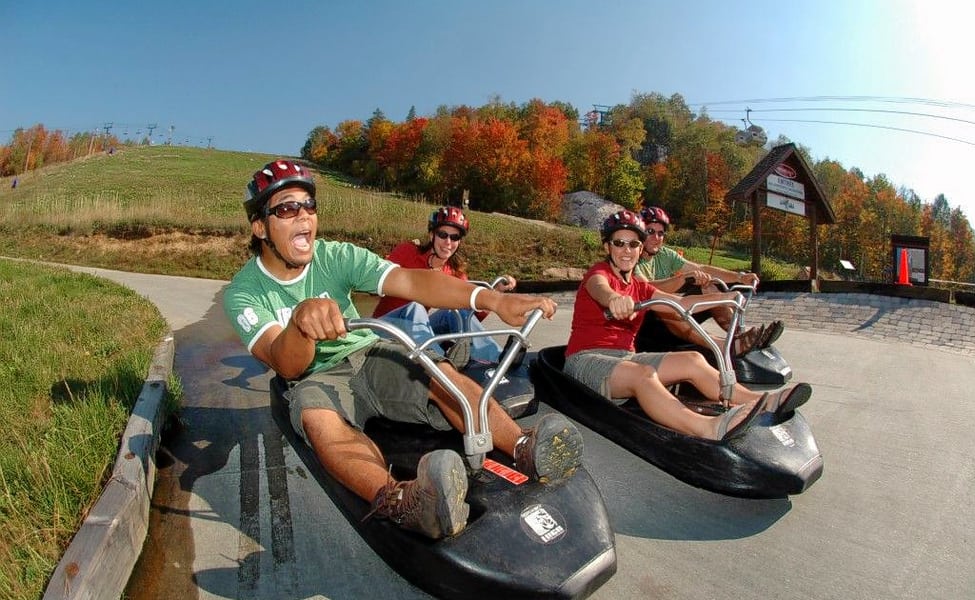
(446, 227)
(601, 352)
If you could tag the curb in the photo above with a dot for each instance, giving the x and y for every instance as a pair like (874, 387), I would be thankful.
(103, 553)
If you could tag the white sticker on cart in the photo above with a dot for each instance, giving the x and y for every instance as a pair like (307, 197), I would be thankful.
(490, 375)
(542, 523)
(783, 436)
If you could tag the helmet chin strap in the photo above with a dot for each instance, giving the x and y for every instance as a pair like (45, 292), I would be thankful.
(624, 275)
(274, 249)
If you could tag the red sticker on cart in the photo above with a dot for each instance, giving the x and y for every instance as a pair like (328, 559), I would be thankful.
(515, 477)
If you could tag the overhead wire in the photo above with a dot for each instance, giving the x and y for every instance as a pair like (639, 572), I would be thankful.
(885, 99)
(865, 110)
(929, 102)
(874, 126)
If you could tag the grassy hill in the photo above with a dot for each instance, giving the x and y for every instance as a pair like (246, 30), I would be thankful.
(177, 211)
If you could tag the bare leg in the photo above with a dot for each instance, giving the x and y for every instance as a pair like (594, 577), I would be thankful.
(504, 431)
(630, 379)
(346, 452)
(684, 330)
(722, 316)
(692, 367)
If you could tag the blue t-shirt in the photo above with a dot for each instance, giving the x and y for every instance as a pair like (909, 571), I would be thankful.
(256, 300)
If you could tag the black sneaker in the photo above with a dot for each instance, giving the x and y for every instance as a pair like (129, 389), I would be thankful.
(433, 503)
(551, 450)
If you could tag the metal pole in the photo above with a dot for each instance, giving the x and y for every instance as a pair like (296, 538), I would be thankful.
(29, 146)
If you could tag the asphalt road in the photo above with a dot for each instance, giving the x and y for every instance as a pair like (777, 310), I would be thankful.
(235, 514)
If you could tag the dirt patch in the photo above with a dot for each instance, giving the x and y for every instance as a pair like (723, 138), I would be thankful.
(163, 243)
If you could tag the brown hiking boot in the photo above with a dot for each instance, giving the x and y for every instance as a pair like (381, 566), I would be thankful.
(433, 503)
(551, 450)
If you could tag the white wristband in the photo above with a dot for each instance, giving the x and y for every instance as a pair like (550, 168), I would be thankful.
(477, 290)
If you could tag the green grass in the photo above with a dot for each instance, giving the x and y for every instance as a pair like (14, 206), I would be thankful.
(75, 355)
(177, 211)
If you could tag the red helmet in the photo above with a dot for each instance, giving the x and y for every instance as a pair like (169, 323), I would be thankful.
(449, 215)
(623, 219)
(274, 176)
(655, 214)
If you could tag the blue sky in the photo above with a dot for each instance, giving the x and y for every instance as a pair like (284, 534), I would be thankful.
(258, 76)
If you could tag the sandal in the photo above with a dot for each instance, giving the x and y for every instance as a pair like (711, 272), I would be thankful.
(724, 420)
(771, 333)
(747, 340)
(786, 401)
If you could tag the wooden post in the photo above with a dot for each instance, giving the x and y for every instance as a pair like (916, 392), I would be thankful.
(757, 233)
(813, 248)
(813, 244)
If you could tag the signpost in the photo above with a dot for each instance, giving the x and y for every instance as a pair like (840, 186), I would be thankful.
(786, 187)
(796, 207)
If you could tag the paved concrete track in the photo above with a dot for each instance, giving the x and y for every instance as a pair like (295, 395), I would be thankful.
(235, 514)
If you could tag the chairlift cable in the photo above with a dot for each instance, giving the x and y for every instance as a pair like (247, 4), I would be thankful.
(865, 110)
(874, 126)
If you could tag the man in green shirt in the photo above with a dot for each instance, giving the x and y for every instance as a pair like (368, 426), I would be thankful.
(669, 271)
(289, 304)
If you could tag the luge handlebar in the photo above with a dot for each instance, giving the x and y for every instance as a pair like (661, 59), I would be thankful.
(477, 439)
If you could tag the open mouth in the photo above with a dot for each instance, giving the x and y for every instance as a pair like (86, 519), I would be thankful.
(301, 241)
(625, 260)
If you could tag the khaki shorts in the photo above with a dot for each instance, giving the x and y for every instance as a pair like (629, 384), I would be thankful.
(380, 380)
(592, 368)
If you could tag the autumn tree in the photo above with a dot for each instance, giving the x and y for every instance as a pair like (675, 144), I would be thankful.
(320, 144)
(375, 134)
(590, 158)
(485, 158)
(351, 148)
(962, 266)
(401, 156)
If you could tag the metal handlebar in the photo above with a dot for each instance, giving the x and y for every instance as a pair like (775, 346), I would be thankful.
(726, 371)
(747, 292)
(477, 440)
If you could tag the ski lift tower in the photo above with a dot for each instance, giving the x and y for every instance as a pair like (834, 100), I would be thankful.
(597, 117)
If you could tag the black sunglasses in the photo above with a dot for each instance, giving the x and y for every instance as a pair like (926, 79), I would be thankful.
(656, 233)
(632, 244)
(291, 208)
(454, 237)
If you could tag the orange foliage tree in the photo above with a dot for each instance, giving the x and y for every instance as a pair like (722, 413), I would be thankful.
(521, 159)
(401, 157)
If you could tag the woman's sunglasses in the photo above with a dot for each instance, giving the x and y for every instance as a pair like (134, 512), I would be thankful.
(291, 208)
(454, 237)
(632, 244)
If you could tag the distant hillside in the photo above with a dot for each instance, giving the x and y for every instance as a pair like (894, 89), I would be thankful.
(177, 210)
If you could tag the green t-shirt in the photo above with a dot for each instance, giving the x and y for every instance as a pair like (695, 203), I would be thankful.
(255, 300)
(665, 263)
